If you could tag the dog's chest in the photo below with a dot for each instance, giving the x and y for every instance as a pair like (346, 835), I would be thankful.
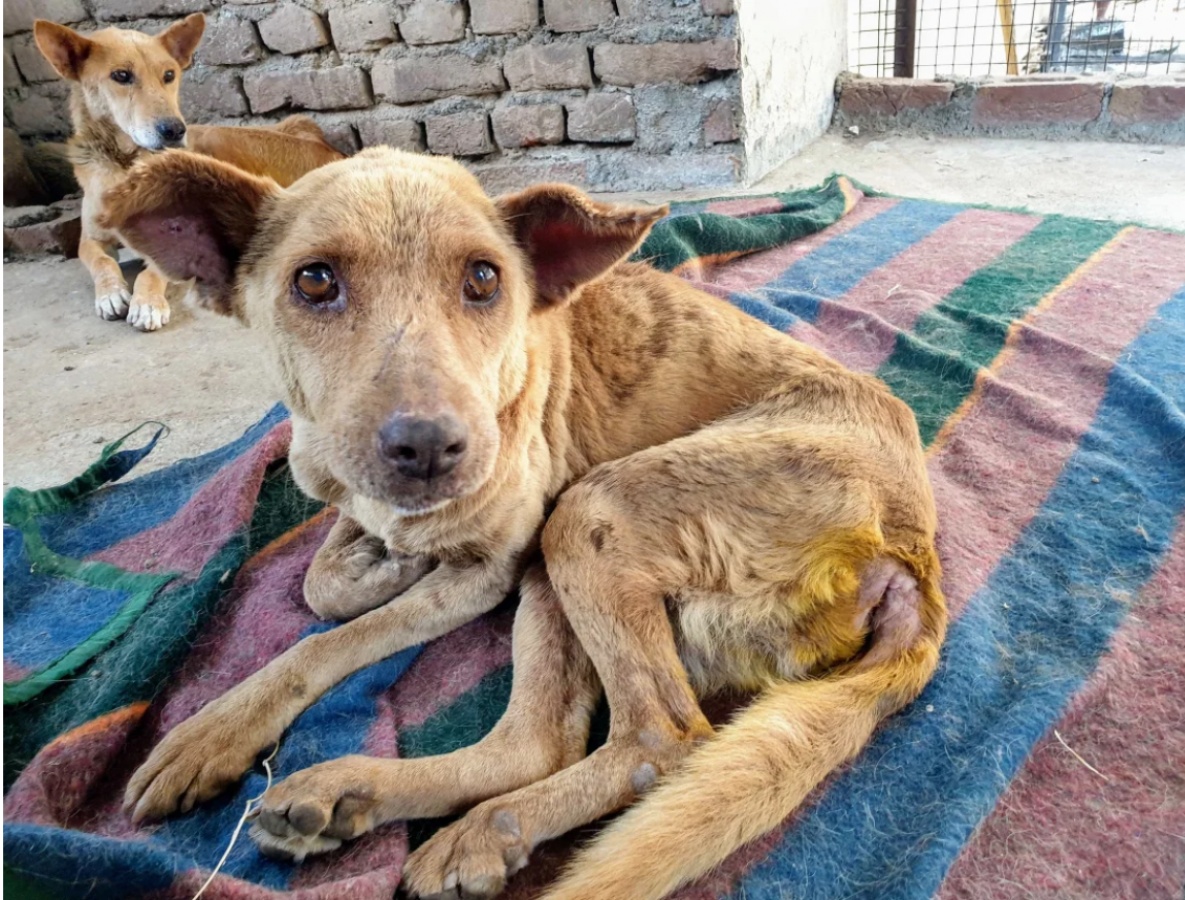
(95, 179)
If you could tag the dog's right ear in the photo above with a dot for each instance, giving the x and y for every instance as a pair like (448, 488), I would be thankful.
(570, 238)
(64, 47)
(193, 216)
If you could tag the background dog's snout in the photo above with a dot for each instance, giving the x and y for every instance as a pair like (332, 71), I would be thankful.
(423, 448)
(171, 130)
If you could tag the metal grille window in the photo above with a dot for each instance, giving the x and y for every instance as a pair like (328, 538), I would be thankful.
(927, 38)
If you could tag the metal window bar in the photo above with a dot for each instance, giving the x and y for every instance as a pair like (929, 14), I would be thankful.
(929, 38)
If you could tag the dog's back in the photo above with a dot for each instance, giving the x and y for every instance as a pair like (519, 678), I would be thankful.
(283, 152)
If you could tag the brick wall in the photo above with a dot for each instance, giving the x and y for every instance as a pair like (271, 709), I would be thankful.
(608, 94)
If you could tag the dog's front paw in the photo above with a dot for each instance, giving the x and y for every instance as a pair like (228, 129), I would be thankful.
(348, 581)
(316, 809)
(148, 312)
(472, 858)
(112, 303)
(195, 762)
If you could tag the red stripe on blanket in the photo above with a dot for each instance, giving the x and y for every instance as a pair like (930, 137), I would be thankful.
(378, 884)
(1005, 455)
(223, 505)
(54, 787)
(745, 206)
(1062, 830)
(262, 617)
(860, 329)
(451, 666)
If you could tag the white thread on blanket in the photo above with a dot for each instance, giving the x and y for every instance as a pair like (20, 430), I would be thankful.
(1057, 735)
(247, 811)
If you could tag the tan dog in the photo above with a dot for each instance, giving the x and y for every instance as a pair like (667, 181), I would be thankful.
(688, 500)
(123, 105)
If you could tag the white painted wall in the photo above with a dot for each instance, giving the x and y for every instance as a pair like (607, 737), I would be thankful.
(791, 53)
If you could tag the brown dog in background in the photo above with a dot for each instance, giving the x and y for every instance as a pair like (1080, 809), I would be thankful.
(490, 395)
(124, 105)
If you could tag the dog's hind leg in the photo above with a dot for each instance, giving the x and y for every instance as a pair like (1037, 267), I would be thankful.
(111, 291)
(149, 309)
(545, 727)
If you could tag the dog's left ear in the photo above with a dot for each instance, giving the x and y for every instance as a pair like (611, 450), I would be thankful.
(570, 238)
(193, 216)
(181, 40)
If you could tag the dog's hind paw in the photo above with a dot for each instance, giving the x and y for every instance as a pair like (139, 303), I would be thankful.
(112, 304)
(471, 859)
(148, 313)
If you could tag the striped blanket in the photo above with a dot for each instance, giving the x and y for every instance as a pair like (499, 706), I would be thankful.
(1045, 359)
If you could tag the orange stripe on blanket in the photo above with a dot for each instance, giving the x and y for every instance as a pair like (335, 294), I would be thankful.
(851, 196)
(103, 723)
(285, 539)
(697, 266)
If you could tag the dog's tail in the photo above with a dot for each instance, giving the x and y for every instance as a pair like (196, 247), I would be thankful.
(758, 769)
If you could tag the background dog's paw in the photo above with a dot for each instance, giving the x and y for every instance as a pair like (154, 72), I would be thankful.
(472, 858)
(112, 304)
(148, 313)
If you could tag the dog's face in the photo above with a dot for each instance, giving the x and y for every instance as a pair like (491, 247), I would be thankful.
(394, 296)
(131, 78)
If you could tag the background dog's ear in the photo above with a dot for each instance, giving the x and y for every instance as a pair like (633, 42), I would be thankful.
(193, 216)
(64, 47)
(570, 238)
(181, 40)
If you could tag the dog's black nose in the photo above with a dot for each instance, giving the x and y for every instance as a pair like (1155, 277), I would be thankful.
(170, 130)
(423, 448)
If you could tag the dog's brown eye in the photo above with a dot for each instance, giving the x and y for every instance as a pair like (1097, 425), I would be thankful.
(317, 284)
(481, 282)
(122, 76)
(169, 76)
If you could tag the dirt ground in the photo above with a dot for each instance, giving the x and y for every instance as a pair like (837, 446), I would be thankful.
(73, 382)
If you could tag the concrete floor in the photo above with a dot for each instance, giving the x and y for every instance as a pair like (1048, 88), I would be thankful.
(73, 382)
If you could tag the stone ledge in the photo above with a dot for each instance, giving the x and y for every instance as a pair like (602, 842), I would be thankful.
(33, 230)
(889, 96)
(1051, 106)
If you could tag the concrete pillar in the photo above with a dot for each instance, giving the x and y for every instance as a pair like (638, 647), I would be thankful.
(792, 51)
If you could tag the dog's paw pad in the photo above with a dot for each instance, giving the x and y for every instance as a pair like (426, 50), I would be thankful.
(112, 304)
(294, 846)
(314, 810)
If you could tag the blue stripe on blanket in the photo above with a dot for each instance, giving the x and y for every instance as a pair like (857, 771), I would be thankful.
(334, 726)
(844, 261)
(839, 265)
